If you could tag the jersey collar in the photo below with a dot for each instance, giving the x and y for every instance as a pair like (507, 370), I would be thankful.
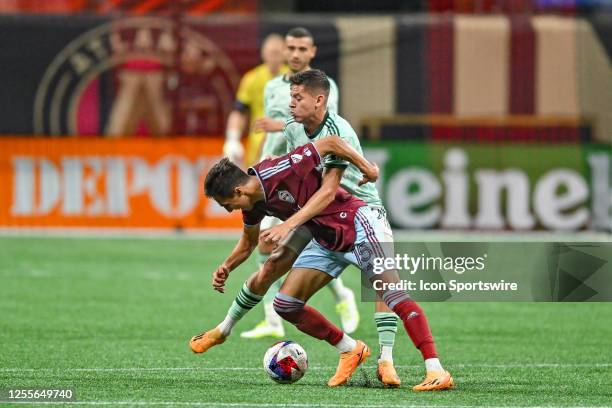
(252, 172)
(316, 132)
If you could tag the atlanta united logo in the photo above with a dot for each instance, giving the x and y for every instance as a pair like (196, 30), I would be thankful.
(144, 67)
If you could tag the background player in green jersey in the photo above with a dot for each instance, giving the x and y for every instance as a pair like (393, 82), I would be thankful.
(300, 49)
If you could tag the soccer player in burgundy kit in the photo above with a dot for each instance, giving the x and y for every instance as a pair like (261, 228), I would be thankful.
(280, 187)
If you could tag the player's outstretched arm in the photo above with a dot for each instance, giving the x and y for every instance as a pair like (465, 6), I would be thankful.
(315, 204)
(243, 249)
(336, 145)
(326, 193)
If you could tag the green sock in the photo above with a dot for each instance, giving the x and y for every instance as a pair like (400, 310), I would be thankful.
(241, 305)
(386, 325)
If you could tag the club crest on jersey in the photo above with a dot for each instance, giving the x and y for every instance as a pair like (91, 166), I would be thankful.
(284, 195)
(307, 152)
(296, 158)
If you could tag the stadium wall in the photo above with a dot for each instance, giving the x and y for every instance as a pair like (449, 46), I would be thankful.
(478, 122)
(62, 75)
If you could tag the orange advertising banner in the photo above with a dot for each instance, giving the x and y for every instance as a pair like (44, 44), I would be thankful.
(135, 183)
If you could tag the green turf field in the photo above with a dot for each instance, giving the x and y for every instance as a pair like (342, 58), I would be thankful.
(111, 318)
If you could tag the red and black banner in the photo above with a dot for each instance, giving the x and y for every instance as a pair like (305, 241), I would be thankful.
(133, 75)
(535, 77)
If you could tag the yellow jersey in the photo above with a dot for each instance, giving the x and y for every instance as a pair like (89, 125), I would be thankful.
(251, 95)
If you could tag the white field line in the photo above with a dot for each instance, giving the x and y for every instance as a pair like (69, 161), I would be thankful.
(119, 233)
(264, 404)
(321, 367)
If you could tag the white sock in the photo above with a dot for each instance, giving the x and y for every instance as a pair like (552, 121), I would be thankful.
(386, 354)
(433, 364)
(272, 317)
(227, 325)
(346, 344)
(347, 294)
(338, 289)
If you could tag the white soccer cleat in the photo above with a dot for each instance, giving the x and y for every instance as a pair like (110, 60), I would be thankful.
(347, 309)
(264, 329)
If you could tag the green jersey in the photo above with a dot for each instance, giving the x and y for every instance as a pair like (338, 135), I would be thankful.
(276, 106)
(334, 124)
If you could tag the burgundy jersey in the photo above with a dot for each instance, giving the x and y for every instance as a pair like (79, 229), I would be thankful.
(288, 182)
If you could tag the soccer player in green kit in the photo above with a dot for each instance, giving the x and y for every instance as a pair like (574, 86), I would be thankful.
(347, 176)
(300, 50)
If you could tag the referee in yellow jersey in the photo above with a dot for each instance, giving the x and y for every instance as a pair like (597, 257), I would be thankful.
(250, 103)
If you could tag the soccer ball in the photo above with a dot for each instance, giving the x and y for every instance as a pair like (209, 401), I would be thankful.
(285, 362)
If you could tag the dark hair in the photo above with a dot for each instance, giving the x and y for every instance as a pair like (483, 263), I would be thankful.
(223, 178)
(300, 32)
(313, 80)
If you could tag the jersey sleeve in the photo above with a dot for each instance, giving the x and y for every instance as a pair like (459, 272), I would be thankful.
(347, 133)
(333, 161)
(304, 159)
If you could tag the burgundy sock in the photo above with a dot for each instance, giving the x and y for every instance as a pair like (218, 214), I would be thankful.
(417, 327)
(309, 321)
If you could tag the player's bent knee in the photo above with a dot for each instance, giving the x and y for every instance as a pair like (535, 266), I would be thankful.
(266, 276)
(288, 307)
(273, 270)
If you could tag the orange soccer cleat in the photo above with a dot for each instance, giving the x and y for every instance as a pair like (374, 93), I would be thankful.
(349, 362)
(435, 381)
(206, 340)
(387, 375)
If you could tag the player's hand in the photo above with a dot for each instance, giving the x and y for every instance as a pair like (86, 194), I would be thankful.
(219, 278)
(233, 150)
(276, 234)
(268, 125)
(371, 175)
